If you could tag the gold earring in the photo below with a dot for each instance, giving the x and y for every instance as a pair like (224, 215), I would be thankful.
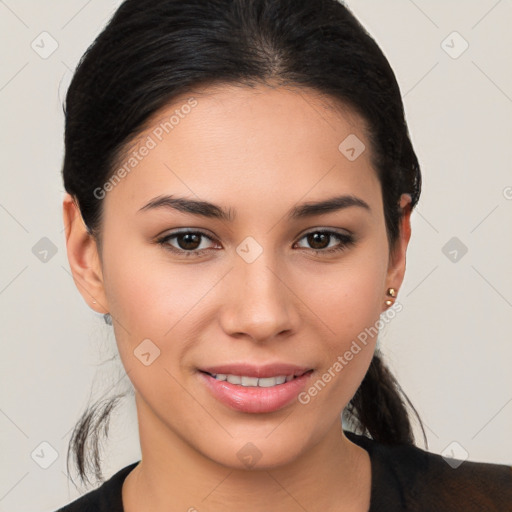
(392, 293)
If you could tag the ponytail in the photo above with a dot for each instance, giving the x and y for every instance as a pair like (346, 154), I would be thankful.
(85, 443)
(378, 409)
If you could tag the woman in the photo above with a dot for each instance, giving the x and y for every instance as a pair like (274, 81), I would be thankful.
(240, 183)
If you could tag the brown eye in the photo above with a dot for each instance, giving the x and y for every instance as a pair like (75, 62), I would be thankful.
(319, 241)
(187, 243)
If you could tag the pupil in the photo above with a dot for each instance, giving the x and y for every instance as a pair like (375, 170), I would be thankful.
(190, 238)
(314, 238)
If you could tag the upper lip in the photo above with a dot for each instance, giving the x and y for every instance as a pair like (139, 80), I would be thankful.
(250, 370)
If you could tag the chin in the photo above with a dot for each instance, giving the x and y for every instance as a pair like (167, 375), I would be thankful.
(257, 454)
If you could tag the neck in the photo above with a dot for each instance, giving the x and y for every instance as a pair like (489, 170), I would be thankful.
(335, 474)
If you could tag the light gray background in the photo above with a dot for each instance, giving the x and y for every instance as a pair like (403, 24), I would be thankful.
(450, 347)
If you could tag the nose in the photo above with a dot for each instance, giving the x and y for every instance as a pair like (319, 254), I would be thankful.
(258, 303)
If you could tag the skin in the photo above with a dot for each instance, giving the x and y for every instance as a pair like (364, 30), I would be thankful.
(258, 152)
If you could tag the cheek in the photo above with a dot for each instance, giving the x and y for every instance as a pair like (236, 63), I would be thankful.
(154, 305)
(349, 303)
(148, 294)
(348, 298)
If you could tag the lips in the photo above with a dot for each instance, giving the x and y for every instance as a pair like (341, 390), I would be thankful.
(251, 398)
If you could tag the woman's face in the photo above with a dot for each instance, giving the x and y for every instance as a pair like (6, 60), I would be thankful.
(256, 287)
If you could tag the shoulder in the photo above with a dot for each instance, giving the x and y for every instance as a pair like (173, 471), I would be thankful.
(106, 498)
(431, 483)
(418, 480)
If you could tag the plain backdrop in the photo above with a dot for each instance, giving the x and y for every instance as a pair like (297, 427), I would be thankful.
(450, 347)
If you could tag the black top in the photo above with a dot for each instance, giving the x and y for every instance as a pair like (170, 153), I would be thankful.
(404, 478)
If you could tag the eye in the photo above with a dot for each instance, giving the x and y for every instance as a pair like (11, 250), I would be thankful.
(189, 242)
(319, 241)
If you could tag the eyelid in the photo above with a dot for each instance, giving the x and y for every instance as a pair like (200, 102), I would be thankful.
(187, 229)
(320, 229)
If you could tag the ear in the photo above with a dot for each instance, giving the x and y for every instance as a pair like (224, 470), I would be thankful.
(83, 257)
(396, 267)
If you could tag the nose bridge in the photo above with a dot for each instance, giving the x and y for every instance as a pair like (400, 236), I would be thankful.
(259, 304)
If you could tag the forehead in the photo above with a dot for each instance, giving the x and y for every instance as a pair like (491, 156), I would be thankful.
(232, 142)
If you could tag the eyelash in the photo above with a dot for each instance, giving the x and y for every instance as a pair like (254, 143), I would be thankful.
(346, 241)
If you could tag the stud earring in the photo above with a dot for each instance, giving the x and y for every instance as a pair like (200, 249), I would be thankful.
(391, 293)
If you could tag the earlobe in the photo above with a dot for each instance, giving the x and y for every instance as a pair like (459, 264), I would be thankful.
(83, 257)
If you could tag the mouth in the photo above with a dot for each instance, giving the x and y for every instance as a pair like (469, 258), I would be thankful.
(253, 389)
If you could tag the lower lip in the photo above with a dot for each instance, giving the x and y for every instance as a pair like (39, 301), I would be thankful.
(254, 399)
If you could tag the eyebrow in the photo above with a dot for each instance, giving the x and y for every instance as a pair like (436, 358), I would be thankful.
(210, 210)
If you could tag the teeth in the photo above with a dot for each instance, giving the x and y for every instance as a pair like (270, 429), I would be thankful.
(271, 381)
(243, 380)
(234, 379)
(249, 381)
